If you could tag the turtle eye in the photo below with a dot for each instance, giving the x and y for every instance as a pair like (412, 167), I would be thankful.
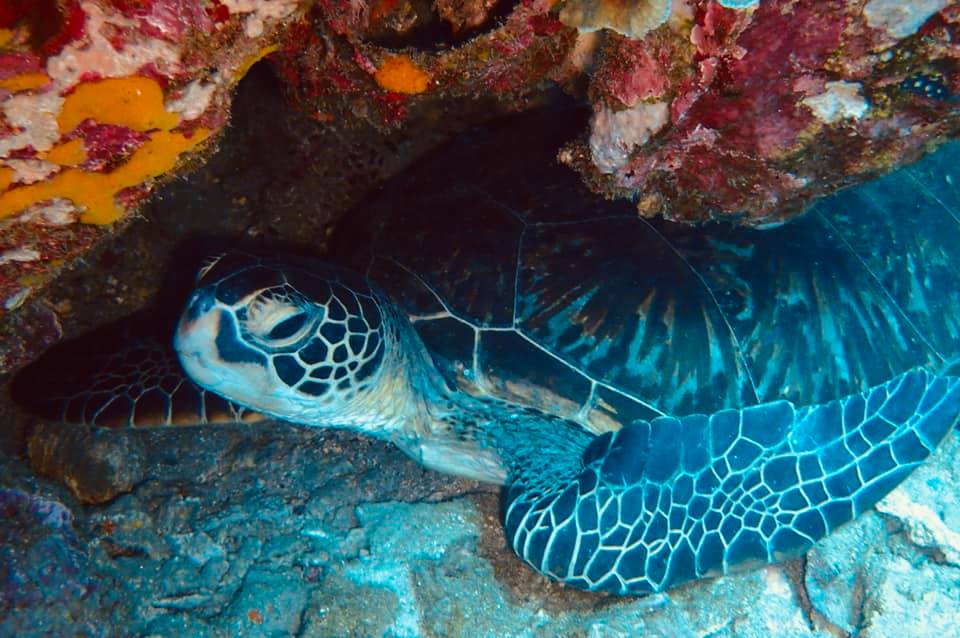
(288, 327)
(277, 321)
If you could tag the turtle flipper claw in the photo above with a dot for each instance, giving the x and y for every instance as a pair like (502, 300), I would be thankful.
(674, 499)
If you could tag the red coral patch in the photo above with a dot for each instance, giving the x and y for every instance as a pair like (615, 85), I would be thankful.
(18, 63)
(631, 72)
(51, 24)
(107, 144)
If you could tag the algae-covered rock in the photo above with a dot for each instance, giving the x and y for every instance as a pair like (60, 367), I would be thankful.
(95, 464)
(277, 530)
(770, 106)
(868, 583)
(49, 583)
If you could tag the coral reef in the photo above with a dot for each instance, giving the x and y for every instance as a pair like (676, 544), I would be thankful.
(346, 66)
(702, 109)
(770, 106)
(100, 99)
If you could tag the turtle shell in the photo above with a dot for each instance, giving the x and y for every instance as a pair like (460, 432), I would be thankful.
(526, 286)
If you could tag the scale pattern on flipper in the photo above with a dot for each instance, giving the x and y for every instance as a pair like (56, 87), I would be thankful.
(674, 499)
(141, 385)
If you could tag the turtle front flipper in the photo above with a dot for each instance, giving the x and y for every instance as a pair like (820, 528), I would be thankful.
(674, 499)
(90, 381)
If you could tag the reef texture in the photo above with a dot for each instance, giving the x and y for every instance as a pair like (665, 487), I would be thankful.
(99, 99)
(752, 113)
(274, 530)
(701, 108)
(347, 537)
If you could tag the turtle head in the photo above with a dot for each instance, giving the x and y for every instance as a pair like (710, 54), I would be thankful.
(304, 343)
(316, 344)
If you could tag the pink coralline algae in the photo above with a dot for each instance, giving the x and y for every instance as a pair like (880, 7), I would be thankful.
(106, 145)
(702, 109)
(772, 107)
(737, 110)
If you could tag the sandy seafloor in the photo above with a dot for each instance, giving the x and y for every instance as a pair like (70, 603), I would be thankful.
(272, 530)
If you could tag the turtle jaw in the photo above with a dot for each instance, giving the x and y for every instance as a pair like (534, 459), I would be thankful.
(199, 347)
(194, 342)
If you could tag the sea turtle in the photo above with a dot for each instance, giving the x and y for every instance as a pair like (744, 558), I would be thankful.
(625, 379)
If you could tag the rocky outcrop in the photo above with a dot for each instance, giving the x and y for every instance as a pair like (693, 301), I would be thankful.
(273, 530)
(701, 109)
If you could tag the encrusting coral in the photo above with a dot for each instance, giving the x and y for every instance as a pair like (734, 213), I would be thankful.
(702, 109)
(633, 19)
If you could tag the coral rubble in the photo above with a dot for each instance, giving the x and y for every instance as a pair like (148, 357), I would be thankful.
(372, 545)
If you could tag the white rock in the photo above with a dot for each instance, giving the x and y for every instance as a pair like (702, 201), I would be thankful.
(900, 19)
(841, 100)
(18, 254)
(925, 528)
(614, 134)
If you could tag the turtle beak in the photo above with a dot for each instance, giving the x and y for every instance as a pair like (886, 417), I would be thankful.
(200, 303)
(196, 336)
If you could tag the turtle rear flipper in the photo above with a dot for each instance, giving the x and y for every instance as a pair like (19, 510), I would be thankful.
(662, 502)
(119, 376)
